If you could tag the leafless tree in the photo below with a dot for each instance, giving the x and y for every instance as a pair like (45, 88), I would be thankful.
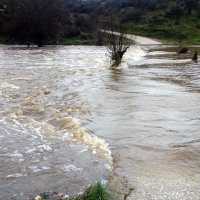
(117, 42)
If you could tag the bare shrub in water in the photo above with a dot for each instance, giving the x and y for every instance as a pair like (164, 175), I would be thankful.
(117, 42)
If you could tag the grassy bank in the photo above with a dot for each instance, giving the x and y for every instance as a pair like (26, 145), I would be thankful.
(185, 30)
(96, 191)
(117, 188)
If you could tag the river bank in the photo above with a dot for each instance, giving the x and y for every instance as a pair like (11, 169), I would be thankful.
(116, 188)
(78, 41)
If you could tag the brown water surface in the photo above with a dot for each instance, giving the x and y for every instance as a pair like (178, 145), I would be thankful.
(62, 105)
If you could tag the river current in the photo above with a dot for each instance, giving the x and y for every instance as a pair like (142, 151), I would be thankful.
(67, 119)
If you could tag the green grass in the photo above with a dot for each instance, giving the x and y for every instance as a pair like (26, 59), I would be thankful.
(76, 40)
(185, 30)
(3, 40)
(96, 191)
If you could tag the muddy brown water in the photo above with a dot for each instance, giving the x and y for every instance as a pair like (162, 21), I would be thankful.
(67, 119)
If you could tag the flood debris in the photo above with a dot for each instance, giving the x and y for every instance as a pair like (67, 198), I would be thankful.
(195, 57)
(183, 50)
(38, 198)
(48, 196)
(117, 188)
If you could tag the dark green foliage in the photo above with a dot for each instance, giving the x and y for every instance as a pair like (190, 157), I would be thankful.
(35, 21)
(131, 15)
(48, 21)
(71, 31)
(183, 50)
(45, 196)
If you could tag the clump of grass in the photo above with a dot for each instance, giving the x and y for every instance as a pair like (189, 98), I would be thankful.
(96, 191)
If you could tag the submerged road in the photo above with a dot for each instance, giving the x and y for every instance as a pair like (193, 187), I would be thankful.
(143, 40)
(139, 40)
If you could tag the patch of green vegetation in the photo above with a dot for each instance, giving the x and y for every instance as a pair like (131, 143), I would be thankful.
(75, 41)
(96, 191)
(3, 40)
(172, 21)
(81, 39)
(184, 30)
(68, 41)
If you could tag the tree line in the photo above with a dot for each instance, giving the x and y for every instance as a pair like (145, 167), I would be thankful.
(33, 20)
(45, 21)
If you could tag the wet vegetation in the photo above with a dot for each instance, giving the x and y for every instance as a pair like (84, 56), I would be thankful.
(117, 42)
(77, 21)
(96, 191)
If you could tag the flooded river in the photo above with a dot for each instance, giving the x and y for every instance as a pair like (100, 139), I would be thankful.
(68, 119)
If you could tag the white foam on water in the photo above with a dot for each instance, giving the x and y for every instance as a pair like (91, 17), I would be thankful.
(45, 168)
(94, 152)
(108, 166)
(122, 65)
(30, 150)
(34, 169)
(83, 150)
(69, 129)
(21, 79)
(45, 147)
(134, 53)
(36, 161)
(104, 182)
(16, 175)
(161, 53)
(66, 129)
(16, 154)
(8, 85)
(65, 196)
(13, 117)
(68, 168)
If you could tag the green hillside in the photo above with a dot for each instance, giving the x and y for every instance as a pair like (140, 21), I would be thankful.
(77, 21)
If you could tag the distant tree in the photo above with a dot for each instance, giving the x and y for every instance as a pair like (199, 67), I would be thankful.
(2, 15)
(84, 21)
(99, 35)
(191, 4)
(162, 3)
(4, 18)
(174, 13)
(131, 14)
(36, 20)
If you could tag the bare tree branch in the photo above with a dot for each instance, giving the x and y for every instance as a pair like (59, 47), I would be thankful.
(117, 42)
